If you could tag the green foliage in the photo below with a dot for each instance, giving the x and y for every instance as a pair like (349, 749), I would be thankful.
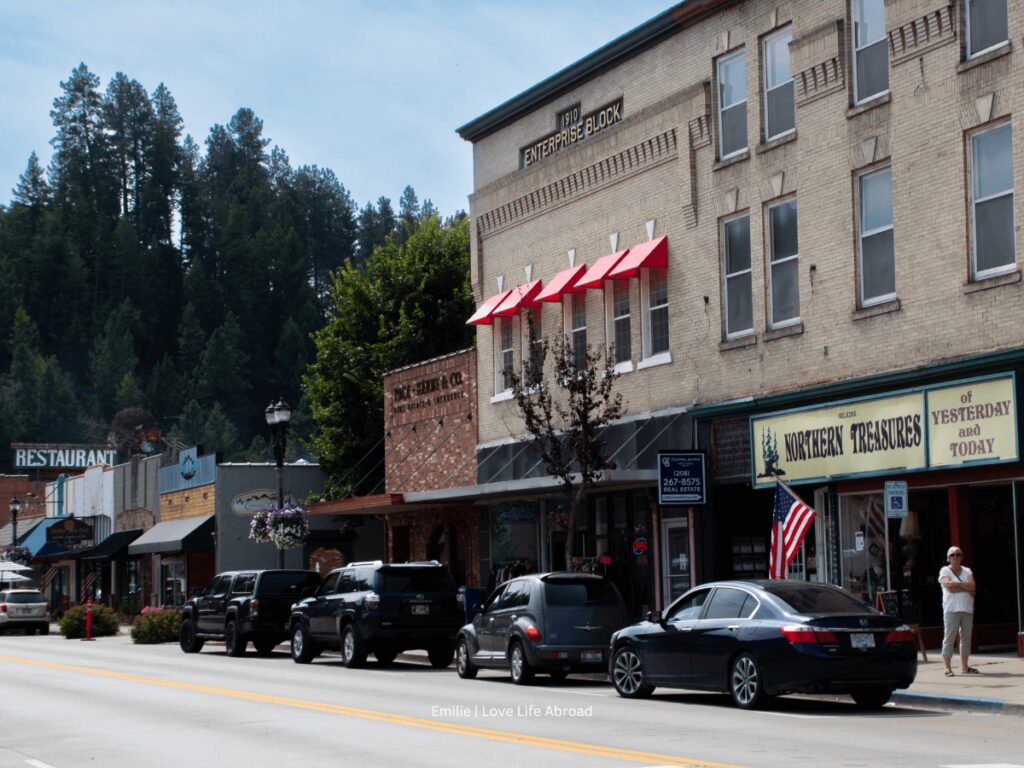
(156, 627)
(104, 622)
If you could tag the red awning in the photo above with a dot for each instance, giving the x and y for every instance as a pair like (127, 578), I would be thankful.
(520, 297)
(483, 315)
(650, 255)
(598, 273)
(562, 283)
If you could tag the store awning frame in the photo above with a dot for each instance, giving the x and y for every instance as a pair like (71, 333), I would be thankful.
(484, 314)
(597, 274)
(191, 534)
(650, 255)
(565, 282)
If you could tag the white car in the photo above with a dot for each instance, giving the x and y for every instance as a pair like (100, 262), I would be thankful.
(24, 609)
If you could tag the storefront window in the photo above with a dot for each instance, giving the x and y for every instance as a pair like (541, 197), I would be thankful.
(676, 560)
(172, 579)
(865, 546)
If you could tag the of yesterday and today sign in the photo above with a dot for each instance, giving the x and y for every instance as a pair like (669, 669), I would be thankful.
(972, 422)
(62, 456)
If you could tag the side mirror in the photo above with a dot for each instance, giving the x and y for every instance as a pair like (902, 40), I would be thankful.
(653, 616)
(478, 610)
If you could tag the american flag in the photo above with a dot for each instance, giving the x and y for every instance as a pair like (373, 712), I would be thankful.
(790, 522)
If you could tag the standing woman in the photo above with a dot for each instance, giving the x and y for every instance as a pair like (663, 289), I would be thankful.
(957, 610)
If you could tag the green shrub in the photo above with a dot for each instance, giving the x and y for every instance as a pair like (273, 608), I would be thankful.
(104, 622)
(156, 627)
(128, 608)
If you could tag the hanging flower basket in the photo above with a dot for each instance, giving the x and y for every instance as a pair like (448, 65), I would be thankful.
(287, 528)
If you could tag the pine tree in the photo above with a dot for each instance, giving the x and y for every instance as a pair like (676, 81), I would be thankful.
(33, 191)
(220, 435)
(112, 357)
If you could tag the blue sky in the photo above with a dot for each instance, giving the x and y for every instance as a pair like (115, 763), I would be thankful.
(372, 90)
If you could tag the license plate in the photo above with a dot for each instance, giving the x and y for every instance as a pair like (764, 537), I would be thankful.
(588, 656)
(421, 610)
(862, 641)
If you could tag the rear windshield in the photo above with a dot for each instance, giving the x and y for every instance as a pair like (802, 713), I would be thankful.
(414, 580)
(809, 598)
(288, 583)
(582, 592)
(26, 597)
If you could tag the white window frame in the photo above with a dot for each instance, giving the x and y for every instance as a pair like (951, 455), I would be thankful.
(1011, 266)
(783, 34)
(726, 276)
(773, 262)
(501, 352)
(968, 6)
(856, 52)
(570, 330)
(865, 233)
(740, 54)
(650, 358)
(621, 366)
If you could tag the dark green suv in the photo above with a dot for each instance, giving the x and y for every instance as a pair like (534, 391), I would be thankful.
(379, 608)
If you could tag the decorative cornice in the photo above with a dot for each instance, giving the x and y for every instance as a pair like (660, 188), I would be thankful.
(935, 28)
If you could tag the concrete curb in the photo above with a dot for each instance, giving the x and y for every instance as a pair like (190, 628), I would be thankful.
(958, 703)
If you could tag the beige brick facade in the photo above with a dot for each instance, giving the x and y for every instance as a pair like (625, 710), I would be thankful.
(660, 164)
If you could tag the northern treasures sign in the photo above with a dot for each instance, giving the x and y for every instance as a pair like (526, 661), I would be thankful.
(938, 427)
(45, 456)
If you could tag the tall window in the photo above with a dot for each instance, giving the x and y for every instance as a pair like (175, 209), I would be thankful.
(578, 328)
(870, 50)
(656, 336)
(784, 257)
(986, 25)
(780, 117)
(877, 254)
(992, 201)
(732, 104)
(739, 313)
(505, 366)
(620, 324)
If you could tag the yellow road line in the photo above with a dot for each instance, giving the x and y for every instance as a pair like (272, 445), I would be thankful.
(522, 739)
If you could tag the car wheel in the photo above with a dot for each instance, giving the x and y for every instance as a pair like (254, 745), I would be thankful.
(352, 652)
(440, 655)
(464, 660)
(44, 630)
(872, 698)
(186, 637)
(522, 672)
(234, 643)
(385, 656)
(264, 645)
(628, 675)
(746, 685)
(302, 646)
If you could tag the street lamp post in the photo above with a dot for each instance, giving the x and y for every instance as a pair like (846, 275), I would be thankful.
(278, 415)
(15, 509)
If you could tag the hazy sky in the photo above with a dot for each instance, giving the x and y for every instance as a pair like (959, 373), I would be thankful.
(373, 90)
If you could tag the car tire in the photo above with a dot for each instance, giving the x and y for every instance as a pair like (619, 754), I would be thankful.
(464, 660)
(301, 645)
(353, 654)
(264, 645)
(746, 683)
(628, 674)
(518, 665)
(45, 630)
(234, 643)
(872, 698)
(186, 637)
(441, 655)
(385, 656)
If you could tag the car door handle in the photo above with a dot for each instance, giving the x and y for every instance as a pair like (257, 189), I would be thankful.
(733, 627)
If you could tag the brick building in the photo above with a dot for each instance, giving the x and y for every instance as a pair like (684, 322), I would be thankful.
(797, 223)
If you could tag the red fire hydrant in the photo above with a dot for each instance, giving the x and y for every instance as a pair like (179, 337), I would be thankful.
(88, 619)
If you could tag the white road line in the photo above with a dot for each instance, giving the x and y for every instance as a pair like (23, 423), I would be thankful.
(985, 765)
(38, 764)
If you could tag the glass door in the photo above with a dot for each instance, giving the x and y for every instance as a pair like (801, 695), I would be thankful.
(676, 577)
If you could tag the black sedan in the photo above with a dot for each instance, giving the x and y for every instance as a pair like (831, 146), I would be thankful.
(757, 639)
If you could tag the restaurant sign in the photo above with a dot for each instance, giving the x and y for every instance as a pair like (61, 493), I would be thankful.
(61, 455)
(928, 428)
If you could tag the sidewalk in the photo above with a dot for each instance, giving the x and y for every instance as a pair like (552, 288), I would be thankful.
(999, 687)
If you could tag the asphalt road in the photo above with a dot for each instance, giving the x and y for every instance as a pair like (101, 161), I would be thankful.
(68, 703)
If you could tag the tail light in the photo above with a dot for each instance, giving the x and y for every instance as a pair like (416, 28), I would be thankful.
(3, 607)
(533, 633)
(801, 633)
(371, 601)
(254, 607)
(903, 634)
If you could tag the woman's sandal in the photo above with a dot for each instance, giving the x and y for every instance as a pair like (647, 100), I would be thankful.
(971, 671)
(949, 673)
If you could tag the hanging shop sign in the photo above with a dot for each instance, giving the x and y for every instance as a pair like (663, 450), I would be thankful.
(572, 126)
(47, 455)
(937, 427)
(249, 503)
(70, 532)
(681, 478)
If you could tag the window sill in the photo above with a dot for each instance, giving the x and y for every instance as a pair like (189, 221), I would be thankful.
(662, 358)
(1007, 278)
(781, 333)
(882, 308)
(781, 141)
(626, 367)
(867, 106)
(502, 396)
(738, 343)
(732, 160)
(1003, 49)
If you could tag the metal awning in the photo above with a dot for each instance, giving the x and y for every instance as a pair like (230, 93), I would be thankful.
(483, 315)
(650, 255)
(193, 534)
(528, 485)
(562, 283)
(113, 547)
(597, 274)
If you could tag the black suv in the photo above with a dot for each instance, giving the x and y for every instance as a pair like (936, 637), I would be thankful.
(381, 609)
(239, 606)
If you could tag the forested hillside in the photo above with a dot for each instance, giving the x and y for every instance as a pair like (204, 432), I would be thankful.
(142, 271)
